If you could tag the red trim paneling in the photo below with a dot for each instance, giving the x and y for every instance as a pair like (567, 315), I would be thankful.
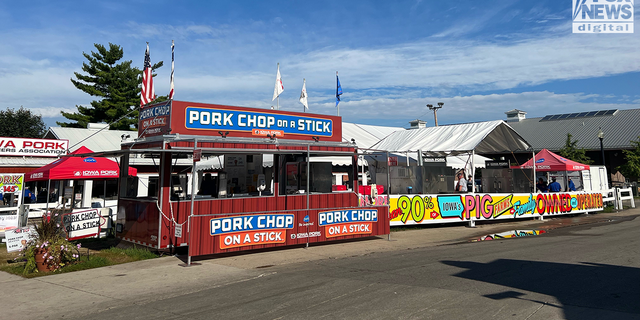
(304, 228)
(17, 169)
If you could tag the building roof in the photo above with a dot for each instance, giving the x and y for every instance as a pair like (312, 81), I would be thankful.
(105, 140)
(619, 129)
(484, 137)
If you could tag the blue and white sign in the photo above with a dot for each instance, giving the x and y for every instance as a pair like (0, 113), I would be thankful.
(328, 218)
(600, 16)
(250, 223)
(233, 120)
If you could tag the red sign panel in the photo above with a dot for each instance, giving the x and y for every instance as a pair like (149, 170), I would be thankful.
(217, 120)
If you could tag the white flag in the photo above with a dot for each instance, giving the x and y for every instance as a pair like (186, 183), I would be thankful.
(279, 87)
(303, 94)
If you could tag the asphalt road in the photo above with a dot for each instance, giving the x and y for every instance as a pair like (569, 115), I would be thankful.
(582, 272)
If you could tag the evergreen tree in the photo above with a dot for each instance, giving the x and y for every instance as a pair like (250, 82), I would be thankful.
(631, 168)
(21, 123)
(117, 85)
(572, 152)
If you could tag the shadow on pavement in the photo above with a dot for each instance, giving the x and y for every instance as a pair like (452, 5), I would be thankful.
(588, 285)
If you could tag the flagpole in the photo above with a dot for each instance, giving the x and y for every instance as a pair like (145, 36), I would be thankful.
(278, 103)
(338, 105)
(304, 82)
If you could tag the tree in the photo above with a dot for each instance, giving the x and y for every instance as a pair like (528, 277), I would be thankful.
(572, 152)
(631, 168)
(21, 123)
(116, 84)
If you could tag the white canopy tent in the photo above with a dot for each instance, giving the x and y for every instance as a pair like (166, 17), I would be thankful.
(463, 140)
(481, 137)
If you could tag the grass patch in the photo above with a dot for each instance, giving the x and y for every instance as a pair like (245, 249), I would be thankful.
(97, 253)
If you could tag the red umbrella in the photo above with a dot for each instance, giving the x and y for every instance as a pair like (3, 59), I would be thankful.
(78, 168)
(549, 161)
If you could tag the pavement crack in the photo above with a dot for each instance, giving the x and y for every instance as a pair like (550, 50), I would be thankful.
(534, 312)
(79, 290)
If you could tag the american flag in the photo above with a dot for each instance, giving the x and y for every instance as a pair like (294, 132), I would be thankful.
(148, 93)
(171, 92)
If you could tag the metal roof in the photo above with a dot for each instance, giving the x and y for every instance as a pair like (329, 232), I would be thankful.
(619, 129)
(96, 141)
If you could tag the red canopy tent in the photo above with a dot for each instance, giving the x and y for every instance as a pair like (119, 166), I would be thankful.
(549, 161)
(78, 168)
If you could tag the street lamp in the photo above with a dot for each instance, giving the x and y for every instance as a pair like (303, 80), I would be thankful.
(435, 115)
(601, 136)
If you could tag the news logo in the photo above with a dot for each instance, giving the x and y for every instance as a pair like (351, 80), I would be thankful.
(603, 16)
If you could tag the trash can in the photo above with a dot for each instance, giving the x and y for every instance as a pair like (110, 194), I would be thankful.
(409, 189)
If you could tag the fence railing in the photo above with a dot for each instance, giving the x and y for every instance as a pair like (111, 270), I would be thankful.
(617, 195)
(624, 195)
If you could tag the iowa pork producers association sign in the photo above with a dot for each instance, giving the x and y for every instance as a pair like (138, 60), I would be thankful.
(83, 224)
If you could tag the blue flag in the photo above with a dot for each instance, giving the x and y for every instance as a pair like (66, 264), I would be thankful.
(338, 90)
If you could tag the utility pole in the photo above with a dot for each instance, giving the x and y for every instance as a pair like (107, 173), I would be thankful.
(435, 109)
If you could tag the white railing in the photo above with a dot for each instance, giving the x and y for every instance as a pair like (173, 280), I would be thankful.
(624, 195)
(609, 195)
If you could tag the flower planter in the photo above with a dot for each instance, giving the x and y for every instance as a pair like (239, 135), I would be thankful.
(41, 261)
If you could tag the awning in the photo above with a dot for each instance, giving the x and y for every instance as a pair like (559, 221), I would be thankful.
(489, 137)
(78, 168)
(549, 161)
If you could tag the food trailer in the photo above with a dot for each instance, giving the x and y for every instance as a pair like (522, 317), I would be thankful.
(240, 205)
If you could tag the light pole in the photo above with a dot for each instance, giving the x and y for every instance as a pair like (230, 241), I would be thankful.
(601, 136)
(435, 109)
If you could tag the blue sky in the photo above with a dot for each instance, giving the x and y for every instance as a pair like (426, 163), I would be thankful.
(481, 58)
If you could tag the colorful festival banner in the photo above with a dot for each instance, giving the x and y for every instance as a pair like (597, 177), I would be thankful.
(423, 209)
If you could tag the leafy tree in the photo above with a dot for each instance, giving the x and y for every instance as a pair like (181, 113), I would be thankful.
(631, 168)
(21, 123)
(572, 152)
(116, 84)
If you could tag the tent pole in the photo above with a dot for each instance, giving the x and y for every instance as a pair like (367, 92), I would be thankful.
(48, 195)
(534, 170)
(473, 172)
(104, 195)
(388, 189)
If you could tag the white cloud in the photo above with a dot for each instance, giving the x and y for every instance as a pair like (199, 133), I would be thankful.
(236, 65)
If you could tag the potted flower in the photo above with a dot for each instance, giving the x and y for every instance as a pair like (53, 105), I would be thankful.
(49, 249)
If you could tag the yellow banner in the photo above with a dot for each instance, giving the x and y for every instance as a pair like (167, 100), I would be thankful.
(418, 209)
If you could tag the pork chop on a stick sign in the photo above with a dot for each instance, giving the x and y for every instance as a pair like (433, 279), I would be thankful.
(83, 224)
(218, 120)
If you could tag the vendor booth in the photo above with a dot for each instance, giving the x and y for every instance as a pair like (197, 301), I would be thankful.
(549, 165)
(239, 203)
(409, 204)
(70, 180)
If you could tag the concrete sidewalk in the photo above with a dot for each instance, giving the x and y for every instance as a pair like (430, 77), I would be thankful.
(75, 294)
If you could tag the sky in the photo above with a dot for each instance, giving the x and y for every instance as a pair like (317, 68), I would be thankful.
(480, 58)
